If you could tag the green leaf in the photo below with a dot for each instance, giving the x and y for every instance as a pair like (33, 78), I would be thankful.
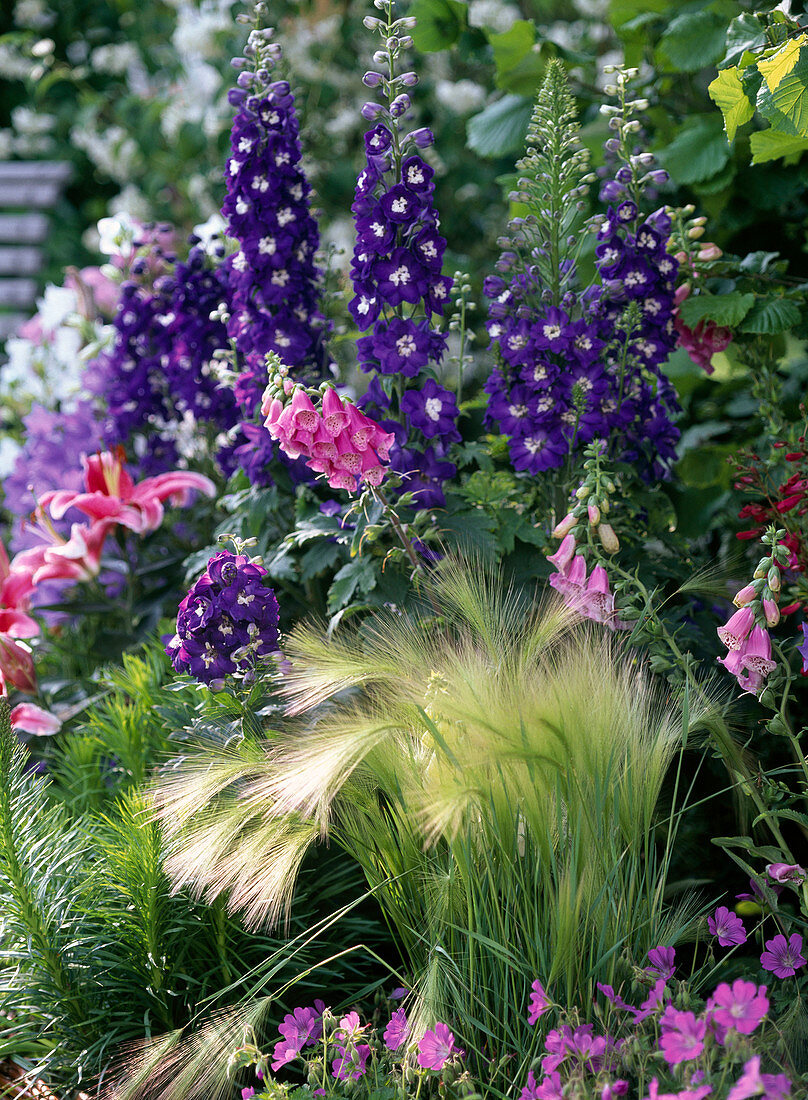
(726, 91)
(791, 94)
(772, 113)
(623, 11)
(439, 24)
(743, 34)
(771, 315)
(359, 574)
(694, 40)
(770, 145)
(724, 309)
(317, 559)
(500, 128)
(519, 65)
(706, 466)
(773, 69)
(698, 152)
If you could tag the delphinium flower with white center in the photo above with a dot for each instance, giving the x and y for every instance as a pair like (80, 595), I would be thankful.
(579, 364)
(275, 283)
(399, 287)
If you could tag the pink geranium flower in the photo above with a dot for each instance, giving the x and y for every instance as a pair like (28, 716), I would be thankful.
(754, 1083)
(741, 1005)
(726, 927)
(351, 1063)
(663, 961)
(397, 1031)
(783, 957)
(436, 1048)
(682, 1035)
(539, 1003)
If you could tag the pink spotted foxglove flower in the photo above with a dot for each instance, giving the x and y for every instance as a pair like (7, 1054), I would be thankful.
(336, 439)
(589, 596)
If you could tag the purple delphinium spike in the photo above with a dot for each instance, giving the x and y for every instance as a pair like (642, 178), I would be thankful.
(399, 287)
(275, 284)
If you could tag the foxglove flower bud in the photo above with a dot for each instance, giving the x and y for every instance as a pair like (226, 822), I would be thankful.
(608, 539)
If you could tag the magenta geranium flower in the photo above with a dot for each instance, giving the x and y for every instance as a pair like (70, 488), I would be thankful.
(686, 1094)
(539, 1003)
(772, 1086)
(783, 957)
(397, 1031)
(436, 1048)
(663, 961)
(549, 1088)
(351, 1063)
(682, 1035)
(727, 927)
(741, 1005)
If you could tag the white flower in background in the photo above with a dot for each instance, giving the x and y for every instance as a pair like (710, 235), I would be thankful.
(211, 233)
(493, 14)
(34, 15)
(114, 58)
(339, 235)
(116, 235)
(26, 121)
(56, 305)
(130, 203)
(9, 449)
(111, 150)
(460, 96)
(592, 9)
(13, 64)
(197, 28)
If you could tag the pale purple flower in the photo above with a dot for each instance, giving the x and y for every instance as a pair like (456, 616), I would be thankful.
(741, 1005)
(685, 1094)
(727, 927)
(652, 1002)
(539, 1003)
(783, 958)
(754, 1083)
(436, 1048)
(682, 1035)
(663, 961)
(397, 1031)
(351, 1063)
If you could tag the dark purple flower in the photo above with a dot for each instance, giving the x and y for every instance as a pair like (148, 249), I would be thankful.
(727, 927)
(432, 410)
(783, 957)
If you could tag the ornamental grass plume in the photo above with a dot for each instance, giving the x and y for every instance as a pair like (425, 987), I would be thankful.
(495, 775)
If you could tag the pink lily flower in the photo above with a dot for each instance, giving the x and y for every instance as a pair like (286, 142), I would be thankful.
(111, 495)
(29, 718)
(55, 558)
(16, 666)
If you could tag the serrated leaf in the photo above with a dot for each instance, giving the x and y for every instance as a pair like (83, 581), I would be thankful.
(438, 23)
(791, 94)
(779, 121)
(744, 34)
(698, 152)
(726, 91)
(770, 316)
(769, 145)
(726, 310)
(359, 574)
(500, 128)
(774, 68)
(694, 40)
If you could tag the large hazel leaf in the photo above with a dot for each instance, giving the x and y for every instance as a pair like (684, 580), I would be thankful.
(791, 94)
(694, 40)
(773, 69)
(500, 128)
(746, 33)
(771, 315)
(726, 91)
(769, 145)
(519, 64)
(698, 151)
(439, 23)
(724, 309)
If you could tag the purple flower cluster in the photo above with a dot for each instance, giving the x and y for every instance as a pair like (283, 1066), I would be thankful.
(228, 615)
(274, 281)
(399, 288)
(591, 366)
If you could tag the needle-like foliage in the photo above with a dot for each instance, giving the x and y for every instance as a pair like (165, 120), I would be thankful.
(496, 776)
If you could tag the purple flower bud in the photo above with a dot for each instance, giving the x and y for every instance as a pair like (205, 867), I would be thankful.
(245, 80)
(400, 105)
(623, 175)
(612, 145)
(239, 62)
(235, 97)
(659, 175)
(409, 80)
(423, 138)
(372, 80)
(372, 111)
(610, 191)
